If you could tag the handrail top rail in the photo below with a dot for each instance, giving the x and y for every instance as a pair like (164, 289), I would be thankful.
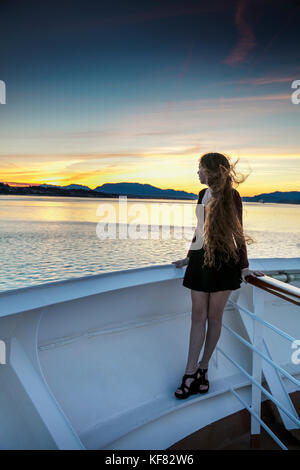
(22, 299)
(274, 286)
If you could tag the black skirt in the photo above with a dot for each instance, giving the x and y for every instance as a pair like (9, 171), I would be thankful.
(225, 276)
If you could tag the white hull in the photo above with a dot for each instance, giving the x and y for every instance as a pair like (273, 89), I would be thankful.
(93, 363)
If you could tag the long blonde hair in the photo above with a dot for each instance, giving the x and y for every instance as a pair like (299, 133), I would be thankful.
(223, 232)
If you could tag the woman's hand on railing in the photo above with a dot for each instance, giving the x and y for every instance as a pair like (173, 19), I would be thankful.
(181, 262)
(249, 272)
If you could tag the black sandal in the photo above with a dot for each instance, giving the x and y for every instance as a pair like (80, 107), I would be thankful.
(192, 389)
(203, 381)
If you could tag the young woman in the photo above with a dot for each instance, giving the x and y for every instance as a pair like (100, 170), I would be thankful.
(217, 263)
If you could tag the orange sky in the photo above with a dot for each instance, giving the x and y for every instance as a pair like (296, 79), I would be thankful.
(179, 172)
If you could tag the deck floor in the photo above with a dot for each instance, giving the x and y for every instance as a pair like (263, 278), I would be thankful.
(233, 432)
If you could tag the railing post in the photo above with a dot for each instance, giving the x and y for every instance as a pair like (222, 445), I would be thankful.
(258, 304)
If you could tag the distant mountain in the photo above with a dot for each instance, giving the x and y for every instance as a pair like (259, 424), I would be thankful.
(52, 190)
(282, 197)
(144, 190)
(77, 186)
(69, 186)
(132, 190)
(49, 186)
(136, 191)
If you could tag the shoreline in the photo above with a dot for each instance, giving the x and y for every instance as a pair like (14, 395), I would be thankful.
(116, 196)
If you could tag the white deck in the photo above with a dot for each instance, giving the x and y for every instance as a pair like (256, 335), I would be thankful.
(93, 363)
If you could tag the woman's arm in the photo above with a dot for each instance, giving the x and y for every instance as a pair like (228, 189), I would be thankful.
(244, 262)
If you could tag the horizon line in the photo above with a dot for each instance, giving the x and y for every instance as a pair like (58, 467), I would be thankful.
(26, 185)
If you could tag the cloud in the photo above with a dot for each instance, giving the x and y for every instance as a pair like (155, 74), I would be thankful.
(263, 80)
(247, 39)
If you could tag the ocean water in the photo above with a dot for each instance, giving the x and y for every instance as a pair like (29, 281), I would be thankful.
(44, 239)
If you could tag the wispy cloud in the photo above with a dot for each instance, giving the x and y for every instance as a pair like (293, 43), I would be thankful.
(247, 39)
(264, 80)
(213, 102)
(274, 97)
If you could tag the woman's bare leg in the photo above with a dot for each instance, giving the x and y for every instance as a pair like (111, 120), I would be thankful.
(217, 302)
(197, 333)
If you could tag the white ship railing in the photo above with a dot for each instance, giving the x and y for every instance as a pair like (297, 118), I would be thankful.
(260, 353)
(36, 319)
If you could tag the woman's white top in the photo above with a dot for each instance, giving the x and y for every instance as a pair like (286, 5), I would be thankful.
(206, 197)
(199, 232)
